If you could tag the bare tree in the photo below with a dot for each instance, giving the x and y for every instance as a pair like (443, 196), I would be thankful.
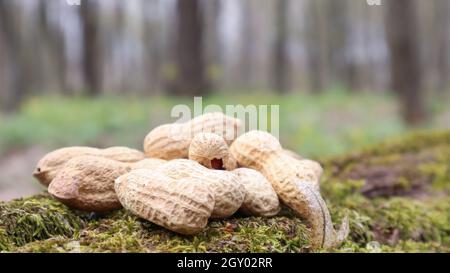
(191, 78)
(53, 42)
(318, 43)
(406, 75)
(14, 88)
(213, 48)
(281, 62)
(153, 47)
(92, 60)
(245, 73)
(442, 22)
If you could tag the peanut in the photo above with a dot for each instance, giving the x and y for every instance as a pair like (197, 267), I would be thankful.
(49, 166)
(171, 141)
(211, 151)
(87, 183)
(296, 184)
(228, 192)
(293, 154)
(261, 199)
(181, 205)
(148, 163)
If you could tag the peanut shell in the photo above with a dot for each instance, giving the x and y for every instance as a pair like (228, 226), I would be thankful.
(181, 205)
(297, 185)
(228, 191)
(87, 183)
(171, 141)
(49, 166)
(261, 199)
(211, 151)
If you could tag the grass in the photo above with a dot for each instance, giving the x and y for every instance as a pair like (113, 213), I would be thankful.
(329, 124)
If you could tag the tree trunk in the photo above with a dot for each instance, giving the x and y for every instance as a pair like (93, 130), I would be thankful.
(213, 47)
(247, 46)
(14, 88)
(190, 79)
(92, 59)
(406, 75)
(281, 61)
(154, 57)
(343, 71)
(54, 44)
(442, 8)
(318, 45)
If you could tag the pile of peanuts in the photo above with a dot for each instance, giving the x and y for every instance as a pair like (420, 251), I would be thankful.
(190, 173)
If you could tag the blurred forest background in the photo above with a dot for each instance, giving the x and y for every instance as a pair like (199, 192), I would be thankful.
(345, 73)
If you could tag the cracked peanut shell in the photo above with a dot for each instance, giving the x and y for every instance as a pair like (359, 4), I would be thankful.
(211, 151)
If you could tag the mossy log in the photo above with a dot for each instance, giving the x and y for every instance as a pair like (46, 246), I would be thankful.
(396, 195)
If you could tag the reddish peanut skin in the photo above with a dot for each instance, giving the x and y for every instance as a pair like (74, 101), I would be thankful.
(211, 151)
(295, 182)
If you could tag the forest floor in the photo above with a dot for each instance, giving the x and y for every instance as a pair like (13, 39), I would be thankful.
(396, 194)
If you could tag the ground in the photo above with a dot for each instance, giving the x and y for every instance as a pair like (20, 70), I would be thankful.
(397, 196)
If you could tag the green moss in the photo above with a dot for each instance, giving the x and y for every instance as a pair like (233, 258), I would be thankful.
(5, 242)
(122, 232)
(439, 169)
(412, 213)
(390, 149)
(416, 170)
(35, 218)
(57, 244)
(406, 219)
(385, 225)
(116, 232)
(253, 234)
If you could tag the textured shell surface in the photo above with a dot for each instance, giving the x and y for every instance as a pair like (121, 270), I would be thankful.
(48, 167)
(171, 141)
(283, 166)
(254, 145)
(295, 182)
(87, 183)
(167, 142)
(261, 199)
(122, 154)
(181, 205)
(211, 151)
(148, 163)
(228, 191)
(218, 123)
